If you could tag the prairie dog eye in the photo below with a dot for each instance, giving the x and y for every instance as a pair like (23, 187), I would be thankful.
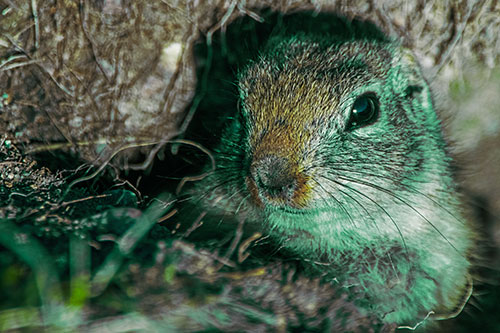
(364, 111)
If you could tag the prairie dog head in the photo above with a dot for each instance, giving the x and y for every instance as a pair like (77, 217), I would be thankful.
(344, 131)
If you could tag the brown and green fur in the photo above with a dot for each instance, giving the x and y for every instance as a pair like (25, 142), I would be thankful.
(377, 204)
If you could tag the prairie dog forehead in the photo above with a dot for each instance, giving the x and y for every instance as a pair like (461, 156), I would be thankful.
(289, 96)
(299, 83)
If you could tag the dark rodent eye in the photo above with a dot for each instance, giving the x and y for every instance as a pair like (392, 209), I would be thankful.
(364, 111)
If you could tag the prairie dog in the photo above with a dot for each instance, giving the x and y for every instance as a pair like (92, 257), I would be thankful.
(338, 154)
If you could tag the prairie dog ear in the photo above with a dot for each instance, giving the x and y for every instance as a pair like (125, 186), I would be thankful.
(412, 86)
(409, 73)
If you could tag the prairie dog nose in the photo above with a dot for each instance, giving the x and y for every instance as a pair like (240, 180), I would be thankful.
(274, 178)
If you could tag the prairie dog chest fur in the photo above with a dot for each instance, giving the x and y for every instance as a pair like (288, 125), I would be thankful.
(338, 154)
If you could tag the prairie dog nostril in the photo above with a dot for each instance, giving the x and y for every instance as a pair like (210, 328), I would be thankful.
(274, 177)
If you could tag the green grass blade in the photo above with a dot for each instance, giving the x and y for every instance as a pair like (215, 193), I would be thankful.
(127, 243)
(35, 255)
